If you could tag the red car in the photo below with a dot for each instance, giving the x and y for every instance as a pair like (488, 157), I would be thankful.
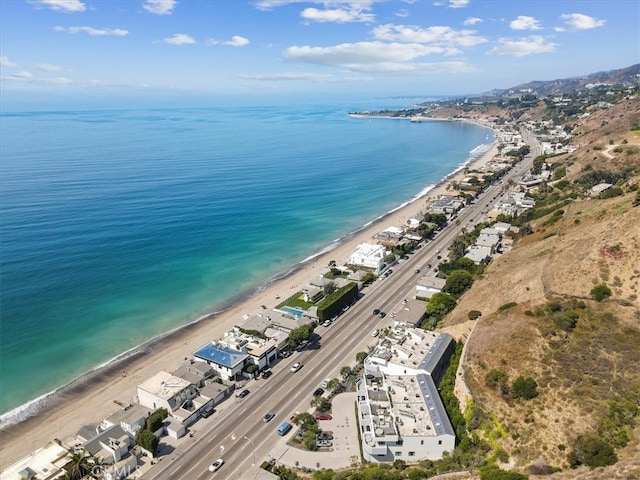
(323, 416)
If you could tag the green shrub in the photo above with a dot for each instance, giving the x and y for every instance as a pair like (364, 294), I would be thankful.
(474, 314)
(600, 292)
(591, 451)
(506, 306)
(524, 387)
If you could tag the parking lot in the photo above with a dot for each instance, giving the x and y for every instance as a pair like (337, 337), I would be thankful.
(344, 449)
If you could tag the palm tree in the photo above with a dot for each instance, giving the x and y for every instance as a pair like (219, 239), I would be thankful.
(79, 465)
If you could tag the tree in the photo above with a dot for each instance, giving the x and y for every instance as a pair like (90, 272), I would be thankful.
(300, 334)
(329, 288)
(591, 451)
(474, 314)
(458, 282)
(360, 356)
(524, 387)
(147, 440)
(79, 465)
(305, 420)
(321, 404)
(334, 385)
(345, 371)
(600, 292)
(440, 304)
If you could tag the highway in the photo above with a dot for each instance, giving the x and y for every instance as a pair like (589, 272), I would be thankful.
(236, 432)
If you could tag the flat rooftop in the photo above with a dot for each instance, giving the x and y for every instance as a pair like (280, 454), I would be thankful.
(164, 385)
(220, 355)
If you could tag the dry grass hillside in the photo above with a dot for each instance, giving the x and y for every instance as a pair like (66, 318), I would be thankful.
(539, 320)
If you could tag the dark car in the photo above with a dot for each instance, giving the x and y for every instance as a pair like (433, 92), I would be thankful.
(318, 391)
(376, 311)
(266, 374)
(208, 413)
(243, 393)
(268, 417)
(382, 314)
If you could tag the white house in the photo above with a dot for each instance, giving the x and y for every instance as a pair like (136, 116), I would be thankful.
(172, 393)
(369, 256)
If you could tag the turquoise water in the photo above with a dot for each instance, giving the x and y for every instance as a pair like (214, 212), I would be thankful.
(119, 225)
(293, 311)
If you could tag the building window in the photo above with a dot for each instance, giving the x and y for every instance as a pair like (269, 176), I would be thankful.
(412, 454)
(421, 442)
(398, 454)
(399, 442)
(439, 442)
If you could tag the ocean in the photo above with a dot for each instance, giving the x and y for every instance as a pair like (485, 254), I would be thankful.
(118, 225)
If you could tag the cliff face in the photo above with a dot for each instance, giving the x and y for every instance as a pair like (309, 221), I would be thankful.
(583, 354)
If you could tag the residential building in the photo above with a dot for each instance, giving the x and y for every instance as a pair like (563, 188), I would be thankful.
(368, 256)
(176, 395)
(401, 415)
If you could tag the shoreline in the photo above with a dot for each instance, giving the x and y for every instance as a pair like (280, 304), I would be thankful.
(92, 396)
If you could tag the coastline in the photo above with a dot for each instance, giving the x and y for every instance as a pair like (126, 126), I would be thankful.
(92, 397)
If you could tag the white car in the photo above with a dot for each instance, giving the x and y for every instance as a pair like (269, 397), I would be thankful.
(296, 366)
(215, 466)
(375, 333)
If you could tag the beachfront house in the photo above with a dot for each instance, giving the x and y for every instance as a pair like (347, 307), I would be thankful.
(368, 256)
(177, 395)
(227, 362)
(45, 463)
(400, 413)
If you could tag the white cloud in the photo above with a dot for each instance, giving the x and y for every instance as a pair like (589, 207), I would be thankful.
(373, 57)
(180, 39)
(48, 67)
(5, 62)
(23, 75)
(159, 7)
(402, 13)
(337, 15)
(68, 6)
(580, 21)
(458, 3)
(522, 47)
(350, 4)
(237, 41)
(285, 76)
(437, 35)
(525, 23)
(472, 21)
(93, 31)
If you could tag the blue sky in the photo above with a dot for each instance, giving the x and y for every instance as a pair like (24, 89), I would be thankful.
(76, 48)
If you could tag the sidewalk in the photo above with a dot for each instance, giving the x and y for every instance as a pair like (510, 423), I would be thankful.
(345, 451)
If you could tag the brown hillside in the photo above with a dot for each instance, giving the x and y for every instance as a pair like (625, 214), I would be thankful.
(578, 373)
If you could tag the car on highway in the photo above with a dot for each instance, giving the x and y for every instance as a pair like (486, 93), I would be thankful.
(215, 466)
(268, 417)
(376, 311)
(382, 314)
(326, 323)
(296, 366)
(266, 374)
(243, 393)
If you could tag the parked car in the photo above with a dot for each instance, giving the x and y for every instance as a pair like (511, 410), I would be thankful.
(318, 391)
(268, 417)
(207, 413)
(215, 466)
(323, 416)
(296, 366)
(285, 353)
(266, 374)
(324, 443)
(375, 333)
(326, 323)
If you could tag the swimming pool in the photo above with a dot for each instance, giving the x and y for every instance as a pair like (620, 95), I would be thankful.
(293, 311)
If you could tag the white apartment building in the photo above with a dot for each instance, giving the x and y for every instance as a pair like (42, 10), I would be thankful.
(401, 415)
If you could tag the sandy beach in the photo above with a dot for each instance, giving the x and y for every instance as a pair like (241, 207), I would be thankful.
(93, 398)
